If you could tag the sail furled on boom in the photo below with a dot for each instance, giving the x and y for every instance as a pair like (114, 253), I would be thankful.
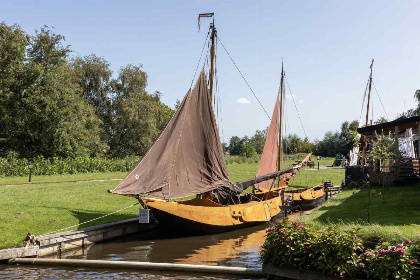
(187, 158)
(268, 163)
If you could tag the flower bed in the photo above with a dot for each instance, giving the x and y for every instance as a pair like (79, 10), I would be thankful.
(337, 252)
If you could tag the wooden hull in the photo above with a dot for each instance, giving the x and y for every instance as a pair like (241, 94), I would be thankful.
(306, 199)
(203, 216)
(308, 204)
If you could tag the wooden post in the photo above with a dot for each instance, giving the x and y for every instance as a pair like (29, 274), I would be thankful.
(397, 161)
(418, 141)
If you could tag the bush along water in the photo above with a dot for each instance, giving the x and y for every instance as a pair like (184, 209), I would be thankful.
(13, 166)
(337, 252)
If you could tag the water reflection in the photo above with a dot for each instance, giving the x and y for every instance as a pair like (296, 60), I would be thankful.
(236, 248)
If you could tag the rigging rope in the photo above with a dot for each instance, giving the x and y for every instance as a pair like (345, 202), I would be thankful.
(106, 215)
(199, 61)
(237, 68)
(297, 111)
(377, 93)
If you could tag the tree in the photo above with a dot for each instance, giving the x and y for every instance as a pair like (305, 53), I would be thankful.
(249, 150)
(383, 148)
(139, 117)
(258, 140)
(235, 146)
(346, 134)
(41, 111)
(131, 80)
(330, 145)
(95, 82)
(381, 120)
(96, 88)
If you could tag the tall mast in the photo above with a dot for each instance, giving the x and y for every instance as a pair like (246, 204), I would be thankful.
(280, 149)
(367, 115)
(213, 56)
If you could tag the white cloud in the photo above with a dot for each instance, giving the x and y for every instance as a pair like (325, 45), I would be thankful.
(242, 100)
(289, 96)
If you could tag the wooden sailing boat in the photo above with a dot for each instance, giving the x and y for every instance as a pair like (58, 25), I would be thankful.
(188, 160)
(303, 198)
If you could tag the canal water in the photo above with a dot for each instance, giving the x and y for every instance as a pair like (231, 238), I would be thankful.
(237, 248)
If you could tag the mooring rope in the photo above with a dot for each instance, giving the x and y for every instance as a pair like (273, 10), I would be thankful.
(101, 217)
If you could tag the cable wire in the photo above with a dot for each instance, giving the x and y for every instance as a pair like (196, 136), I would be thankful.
(237, 68)
(199, 61)
(380, 101)
(297, 111)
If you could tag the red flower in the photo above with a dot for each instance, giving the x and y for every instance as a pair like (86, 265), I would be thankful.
(282, 230)
(408, 242)
(296, 224)
(413, 261)
(288, 239)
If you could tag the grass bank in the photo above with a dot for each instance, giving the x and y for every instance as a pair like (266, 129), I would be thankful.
(51, 203)
(394, 213)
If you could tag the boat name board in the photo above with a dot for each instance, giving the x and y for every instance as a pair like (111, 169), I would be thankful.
(144, 216)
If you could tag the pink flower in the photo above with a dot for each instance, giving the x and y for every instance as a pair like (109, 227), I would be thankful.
(413, 261)
(382, 252)
(361, 265)
(376, 252)
(282, 230)
(392, 248)
(368, 255)
(302, 227)
(269, 230)
(288, 239)
(296, 224)
(399, 252)
(408, 242)
(400, 246)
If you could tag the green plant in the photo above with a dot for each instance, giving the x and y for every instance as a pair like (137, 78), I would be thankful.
(13, 166)
(390, 262)
(338, 252)
(353, 185)
(383, 148)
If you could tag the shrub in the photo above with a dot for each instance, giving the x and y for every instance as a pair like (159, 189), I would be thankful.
(13, 166)
(338, 252)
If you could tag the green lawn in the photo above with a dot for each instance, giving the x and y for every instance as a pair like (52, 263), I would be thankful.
(51, 203)
(61, 178)
(396, 218)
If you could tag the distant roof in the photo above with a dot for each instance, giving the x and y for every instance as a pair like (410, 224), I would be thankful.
(390, 126)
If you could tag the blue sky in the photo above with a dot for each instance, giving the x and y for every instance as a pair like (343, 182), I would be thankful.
(327, 47)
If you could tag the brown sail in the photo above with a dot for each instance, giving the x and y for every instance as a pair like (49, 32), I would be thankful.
(269, 156)
(187, 158)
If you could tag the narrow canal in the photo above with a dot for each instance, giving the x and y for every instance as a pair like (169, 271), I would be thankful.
(237, 248)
